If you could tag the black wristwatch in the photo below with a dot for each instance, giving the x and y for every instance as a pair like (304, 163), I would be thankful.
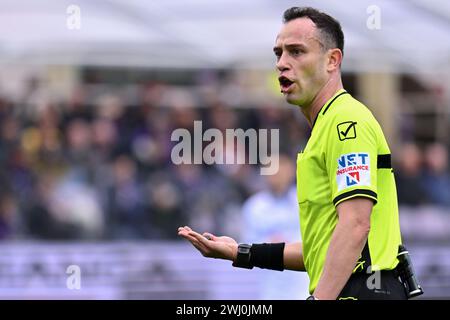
(243, 256)
(311, 298)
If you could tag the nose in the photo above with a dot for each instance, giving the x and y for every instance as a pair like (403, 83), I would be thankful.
(282, 64)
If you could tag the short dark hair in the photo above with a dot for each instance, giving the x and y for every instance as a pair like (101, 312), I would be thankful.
(330, 28)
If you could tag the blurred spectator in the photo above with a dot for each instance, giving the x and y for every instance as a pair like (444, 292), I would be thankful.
(75, 202)
(126, 213)
(408, 176)
(78, 106)
(234, 154)
(436, 179)
(40, 220)
(210, 200)
(104, 134)
(8, 216)
(79, 138)
(272, 216)
(165, 207)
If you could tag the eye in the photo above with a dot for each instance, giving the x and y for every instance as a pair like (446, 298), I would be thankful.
(277, 55)
(296, 52)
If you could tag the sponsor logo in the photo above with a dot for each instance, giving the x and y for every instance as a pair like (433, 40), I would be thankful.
(353, 170)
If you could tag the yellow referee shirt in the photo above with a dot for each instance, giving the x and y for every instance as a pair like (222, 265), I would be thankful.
(346, 156)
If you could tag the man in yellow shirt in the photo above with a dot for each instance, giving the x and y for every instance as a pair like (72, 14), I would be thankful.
(345, 184)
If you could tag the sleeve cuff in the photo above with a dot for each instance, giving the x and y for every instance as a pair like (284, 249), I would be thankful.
(355, 193)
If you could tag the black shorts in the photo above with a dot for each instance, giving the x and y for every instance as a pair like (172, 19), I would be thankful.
(382, 286)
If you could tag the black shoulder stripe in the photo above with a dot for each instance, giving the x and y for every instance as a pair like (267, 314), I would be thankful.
(362, 192)
(384, 161)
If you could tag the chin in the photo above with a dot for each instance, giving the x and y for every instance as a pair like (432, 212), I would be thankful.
(292, 99)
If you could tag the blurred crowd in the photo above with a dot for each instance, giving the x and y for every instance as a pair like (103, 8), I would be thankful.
(102, 169)
(84, 169)
(422, 175)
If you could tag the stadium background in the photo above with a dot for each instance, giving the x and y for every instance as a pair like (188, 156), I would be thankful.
(86, 116)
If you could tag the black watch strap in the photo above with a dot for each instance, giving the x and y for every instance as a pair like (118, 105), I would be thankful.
(243, 256)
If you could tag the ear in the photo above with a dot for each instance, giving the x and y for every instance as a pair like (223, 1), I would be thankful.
(334, 59)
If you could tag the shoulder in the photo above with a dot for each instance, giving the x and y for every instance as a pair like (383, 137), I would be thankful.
(349, 112)
(349, 107)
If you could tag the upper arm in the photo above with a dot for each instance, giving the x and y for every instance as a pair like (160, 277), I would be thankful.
(355, 211)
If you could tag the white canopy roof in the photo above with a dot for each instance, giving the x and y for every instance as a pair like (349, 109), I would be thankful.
(413, 36)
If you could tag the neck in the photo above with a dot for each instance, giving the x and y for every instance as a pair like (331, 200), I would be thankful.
(311, 111)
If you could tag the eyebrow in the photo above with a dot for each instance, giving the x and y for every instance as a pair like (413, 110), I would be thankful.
(290, 46)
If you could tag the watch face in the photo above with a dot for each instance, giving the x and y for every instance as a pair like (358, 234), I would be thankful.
(243, 256)
(244, 248)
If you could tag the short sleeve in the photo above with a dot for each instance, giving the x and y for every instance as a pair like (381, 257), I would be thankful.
(351, 158)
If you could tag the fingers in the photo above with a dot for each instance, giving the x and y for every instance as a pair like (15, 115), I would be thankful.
(187, 236)
(209, 236)
(182, 231)
(201, 245)
(200, 241)
(185, 228)
(200, 238)
(192, 236)
(194, 242)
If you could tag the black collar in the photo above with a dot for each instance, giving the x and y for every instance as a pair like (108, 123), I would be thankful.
(327, 107)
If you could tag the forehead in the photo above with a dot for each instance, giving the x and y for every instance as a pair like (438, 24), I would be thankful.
(297, 30)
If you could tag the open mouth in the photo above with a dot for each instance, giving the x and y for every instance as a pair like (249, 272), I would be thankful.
(285, 83)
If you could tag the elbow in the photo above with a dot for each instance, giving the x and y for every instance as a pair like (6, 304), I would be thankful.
(361, 229)
(357, 229)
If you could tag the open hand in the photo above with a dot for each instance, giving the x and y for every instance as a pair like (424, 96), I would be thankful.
(209, 245)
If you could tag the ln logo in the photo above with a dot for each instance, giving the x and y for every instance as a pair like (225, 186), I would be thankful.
(353, 178)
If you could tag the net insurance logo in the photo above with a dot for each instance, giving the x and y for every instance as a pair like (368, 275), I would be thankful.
(353, 170)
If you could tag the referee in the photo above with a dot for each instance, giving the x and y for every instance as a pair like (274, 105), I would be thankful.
(345, 184)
